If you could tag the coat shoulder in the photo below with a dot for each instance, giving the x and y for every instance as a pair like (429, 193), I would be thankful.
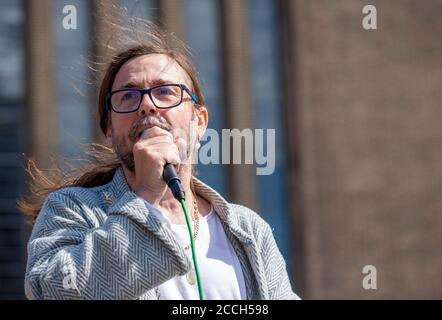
(80, 196)
(250, 221)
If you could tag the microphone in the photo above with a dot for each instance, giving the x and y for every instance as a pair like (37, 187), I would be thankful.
(174, 183)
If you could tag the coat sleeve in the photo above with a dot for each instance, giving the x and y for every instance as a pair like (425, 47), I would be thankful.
(71, 258)
(279, 286)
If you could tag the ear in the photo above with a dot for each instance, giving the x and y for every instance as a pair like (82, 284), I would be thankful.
(203, 120)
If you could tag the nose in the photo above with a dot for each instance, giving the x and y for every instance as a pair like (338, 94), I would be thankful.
(147, 106)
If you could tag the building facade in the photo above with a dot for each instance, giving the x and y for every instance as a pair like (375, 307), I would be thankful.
(355, 114)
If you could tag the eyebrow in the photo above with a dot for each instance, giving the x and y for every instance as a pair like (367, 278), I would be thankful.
(137, 85)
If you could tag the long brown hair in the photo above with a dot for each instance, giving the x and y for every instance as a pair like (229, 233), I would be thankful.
(141, 38)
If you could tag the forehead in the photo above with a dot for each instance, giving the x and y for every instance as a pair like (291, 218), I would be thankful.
(148, 70)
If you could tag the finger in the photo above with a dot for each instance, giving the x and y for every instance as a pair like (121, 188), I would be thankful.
(154, 132)
(173, 158)
(156, 144)
(182, 148)
(163, 151)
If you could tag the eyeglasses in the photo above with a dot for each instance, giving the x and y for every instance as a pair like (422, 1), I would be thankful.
(163, 96)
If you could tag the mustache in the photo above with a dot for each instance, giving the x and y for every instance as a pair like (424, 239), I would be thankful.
(141, 124)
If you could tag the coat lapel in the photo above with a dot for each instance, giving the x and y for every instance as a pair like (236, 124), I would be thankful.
(242, 241)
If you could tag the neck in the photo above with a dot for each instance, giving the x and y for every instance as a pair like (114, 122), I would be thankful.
(168, 204)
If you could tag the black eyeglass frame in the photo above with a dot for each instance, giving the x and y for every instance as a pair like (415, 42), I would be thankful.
(148, 92)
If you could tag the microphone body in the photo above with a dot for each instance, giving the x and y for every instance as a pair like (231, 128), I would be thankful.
(173, 181)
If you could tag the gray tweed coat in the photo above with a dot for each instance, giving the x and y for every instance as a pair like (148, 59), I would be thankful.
(103, 243)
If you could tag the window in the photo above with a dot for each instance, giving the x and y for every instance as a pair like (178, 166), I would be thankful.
(267, 101)
(75, 109)
(12, 237)
(203, 35)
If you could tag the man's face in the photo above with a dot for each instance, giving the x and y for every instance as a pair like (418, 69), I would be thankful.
(145, 72)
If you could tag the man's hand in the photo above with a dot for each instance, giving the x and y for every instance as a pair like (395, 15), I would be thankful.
(155, 148)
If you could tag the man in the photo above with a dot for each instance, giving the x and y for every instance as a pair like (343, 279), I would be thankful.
(117, 232)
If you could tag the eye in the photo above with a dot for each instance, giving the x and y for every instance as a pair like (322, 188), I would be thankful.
(164, 91)
(129, 96)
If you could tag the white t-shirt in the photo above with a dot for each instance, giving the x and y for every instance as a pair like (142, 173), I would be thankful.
(219, 268)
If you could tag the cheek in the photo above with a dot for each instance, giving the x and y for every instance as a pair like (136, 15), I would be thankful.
(121, 127)
(180, 117)
(184, 124)
(121, 124)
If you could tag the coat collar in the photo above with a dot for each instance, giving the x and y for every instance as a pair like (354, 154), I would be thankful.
(232, 217)
(118, 187)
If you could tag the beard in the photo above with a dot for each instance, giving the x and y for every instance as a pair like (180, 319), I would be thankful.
(124, 151)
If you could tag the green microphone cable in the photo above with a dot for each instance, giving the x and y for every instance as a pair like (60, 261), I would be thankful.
(174, 183)
(192, 246)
